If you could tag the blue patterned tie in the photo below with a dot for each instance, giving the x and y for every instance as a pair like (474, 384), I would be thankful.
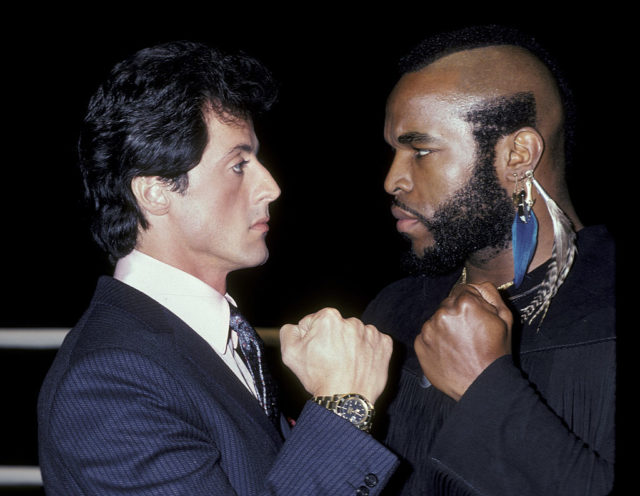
(252, 348)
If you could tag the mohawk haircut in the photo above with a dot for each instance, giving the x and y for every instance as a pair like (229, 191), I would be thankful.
(446, 43)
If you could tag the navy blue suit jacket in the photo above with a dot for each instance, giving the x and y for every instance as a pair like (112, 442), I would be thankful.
(136, 402)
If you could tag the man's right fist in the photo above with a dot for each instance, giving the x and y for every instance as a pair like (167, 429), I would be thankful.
(332, 355)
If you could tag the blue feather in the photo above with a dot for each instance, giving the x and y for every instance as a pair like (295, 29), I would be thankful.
(524, 238)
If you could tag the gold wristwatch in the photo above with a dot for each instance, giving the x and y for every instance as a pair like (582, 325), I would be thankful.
(352, 407)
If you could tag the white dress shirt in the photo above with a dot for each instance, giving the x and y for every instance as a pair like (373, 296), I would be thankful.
(196, 303)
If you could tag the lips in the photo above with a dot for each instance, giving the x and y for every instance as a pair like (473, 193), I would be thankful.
(261, 225)
(401, 214)
(405, 220)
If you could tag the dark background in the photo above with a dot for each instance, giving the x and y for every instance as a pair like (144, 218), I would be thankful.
(332, 238)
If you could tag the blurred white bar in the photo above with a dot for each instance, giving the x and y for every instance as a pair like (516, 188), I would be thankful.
(270, 335)
(20, 476)
(41, 338)
(51, 338)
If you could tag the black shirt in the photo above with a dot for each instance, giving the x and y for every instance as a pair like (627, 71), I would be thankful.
(540, 421)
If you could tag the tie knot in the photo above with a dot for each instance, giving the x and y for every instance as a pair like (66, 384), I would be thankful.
(237, 322)
(234, 314)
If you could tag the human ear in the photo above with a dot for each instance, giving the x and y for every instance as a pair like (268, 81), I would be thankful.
(525, 150)
(151, 194)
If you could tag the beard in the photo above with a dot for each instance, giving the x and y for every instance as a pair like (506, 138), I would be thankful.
(476, 217)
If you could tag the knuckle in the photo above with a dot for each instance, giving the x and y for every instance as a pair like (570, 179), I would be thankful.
(285, 332)
(425, 333)
(466, 298)
(331, 313)
(467, 302)
(440, 315)
(371, 329)
(354, 322)
(420, 342)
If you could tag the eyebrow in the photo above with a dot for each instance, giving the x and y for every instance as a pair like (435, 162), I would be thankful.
(416, 138)
(243, 147)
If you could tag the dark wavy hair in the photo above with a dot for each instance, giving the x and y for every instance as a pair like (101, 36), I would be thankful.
(148, 119)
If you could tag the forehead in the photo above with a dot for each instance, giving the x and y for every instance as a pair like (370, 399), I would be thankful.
(227, 134)
(428, 103)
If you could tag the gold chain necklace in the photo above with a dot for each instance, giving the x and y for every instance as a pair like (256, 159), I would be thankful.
(463, 280)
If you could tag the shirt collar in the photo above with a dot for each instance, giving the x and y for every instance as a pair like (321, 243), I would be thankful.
(199, 305)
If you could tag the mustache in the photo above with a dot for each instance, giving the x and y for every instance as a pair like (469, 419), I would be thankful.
(412, 211)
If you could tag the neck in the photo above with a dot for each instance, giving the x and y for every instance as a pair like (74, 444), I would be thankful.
(208, 274)
(496, 268)
(496, 265)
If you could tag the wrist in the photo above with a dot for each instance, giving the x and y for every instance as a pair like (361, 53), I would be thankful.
(352, 407)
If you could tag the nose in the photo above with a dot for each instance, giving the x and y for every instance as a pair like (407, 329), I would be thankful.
(398, 178)
(269, 190)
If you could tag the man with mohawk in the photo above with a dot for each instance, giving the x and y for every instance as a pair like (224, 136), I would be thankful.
(507, 329)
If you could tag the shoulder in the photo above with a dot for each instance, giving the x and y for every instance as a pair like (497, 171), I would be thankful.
(595, 262)
(119, 323)
(592, 278)
(584, 309)
(125, 344)
(121, 315)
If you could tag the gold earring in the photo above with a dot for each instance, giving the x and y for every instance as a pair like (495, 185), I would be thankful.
(523, 197)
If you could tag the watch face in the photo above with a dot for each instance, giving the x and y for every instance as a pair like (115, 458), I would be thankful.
(353, 409)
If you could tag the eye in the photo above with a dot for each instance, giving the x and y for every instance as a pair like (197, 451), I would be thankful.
(239, 167)
(420, 152)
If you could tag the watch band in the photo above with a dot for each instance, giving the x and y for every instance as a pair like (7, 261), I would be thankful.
(353, 407)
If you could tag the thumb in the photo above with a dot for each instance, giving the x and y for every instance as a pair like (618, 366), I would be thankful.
(491, 295)
(290, 333)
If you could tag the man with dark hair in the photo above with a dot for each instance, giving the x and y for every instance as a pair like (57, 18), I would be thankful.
(506, 332)
(162, 387)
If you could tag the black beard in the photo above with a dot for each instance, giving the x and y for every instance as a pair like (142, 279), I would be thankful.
(478, 216)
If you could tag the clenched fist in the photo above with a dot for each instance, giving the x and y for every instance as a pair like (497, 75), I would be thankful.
(470, 330)
(332, 355)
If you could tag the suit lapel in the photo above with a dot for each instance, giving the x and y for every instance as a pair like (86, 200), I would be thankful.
(195, 353)
(216, 376)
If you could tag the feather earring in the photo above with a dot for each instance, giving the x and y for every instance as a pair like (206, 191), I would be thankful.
(563, 254)
(524, 231)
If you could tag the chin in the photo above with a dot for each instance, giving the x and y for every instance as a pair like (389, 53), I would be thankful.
(264, 259)
(418, 248)
(260, 258)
